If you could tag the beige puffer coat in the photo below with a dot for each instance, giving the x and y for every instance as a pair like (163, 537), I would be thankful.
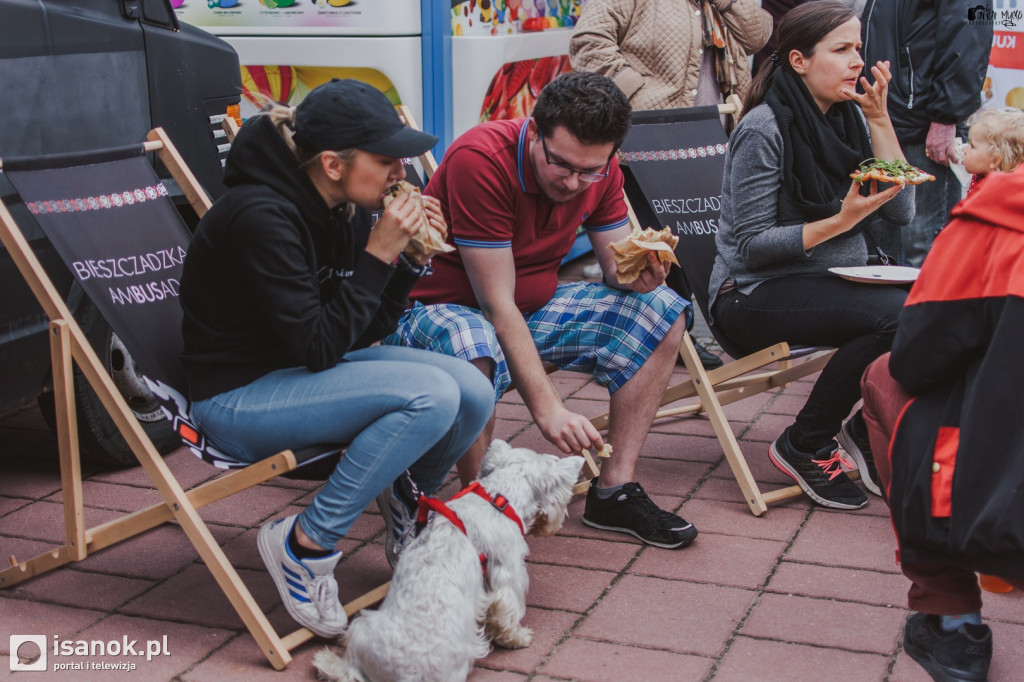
(652, 49)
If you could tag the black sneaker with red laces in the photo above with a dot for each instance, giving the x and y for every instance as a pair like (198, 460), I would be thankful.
(819, 474)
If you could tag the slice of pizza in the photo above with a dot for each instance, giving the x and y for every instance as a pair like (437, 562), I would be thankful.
(427, 240)
(897, 171)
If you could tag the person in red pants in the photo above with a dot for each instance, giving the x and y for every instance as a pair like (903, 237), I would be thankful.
(945, 406)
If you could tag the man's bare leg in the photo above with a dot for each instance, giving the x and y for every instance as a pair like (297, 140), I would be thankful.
(468, 465)
(633, 407)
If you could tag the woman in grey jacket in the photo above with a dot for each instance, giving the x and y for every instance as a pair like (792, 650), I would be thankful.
(790, 212)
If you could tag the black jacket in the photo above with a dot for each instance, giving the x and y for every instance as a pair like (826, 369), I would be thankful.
(957, 492)
(274, 279)
(937, 56)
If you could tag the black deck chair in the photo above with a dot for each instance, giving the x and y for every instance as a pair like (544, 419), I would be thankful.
(112, 222)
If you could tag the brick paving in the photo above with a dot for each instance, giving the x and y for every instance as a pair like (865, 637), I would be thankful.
(799, 594)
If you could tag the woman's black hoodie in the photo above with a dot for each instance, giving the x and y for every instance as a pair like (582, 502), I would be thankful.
(274, 278)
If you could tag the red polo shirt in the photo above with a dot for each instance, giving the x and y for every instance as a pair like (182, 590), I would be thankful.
(490, 198)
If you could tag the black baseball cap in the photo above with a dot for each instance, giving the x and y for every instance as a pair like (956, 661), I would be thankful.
(345, 113)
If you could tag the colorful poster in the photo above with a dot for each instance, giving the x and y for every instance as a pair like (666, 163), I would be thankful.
(513, 90)
(263, 84)
(499, 17)
(368, 17)
(1004, 85)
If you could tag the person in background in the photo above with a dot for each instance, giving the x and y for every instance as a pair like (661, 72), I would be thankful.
(945, 405)
(939, 58)
(776, 8)
(514, 193)
(285, 288)
(995, 144)
(667, 54)
(789, 213)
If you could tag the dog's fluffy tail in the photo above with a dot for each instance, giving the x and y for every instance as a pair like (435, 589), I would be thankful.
(332, 667)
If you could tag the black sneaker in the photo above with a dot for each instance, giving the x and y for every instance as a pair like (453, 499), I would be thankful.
(631, 511)
(820, 475)
(964, 654)
(853, 439)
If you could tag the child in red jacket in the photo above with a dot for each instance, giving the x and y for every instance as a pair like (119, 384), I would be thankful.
(944, 407)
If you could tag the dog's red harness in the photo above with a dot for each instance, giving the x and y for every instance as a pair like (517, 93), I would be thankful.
(499, 502)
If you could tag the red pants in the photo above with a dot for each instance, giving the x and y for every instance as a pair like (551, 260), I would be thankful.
(935, 589)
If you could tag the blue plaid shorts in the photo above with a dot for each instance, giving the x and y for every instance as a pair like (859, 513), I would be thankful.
(585, 327)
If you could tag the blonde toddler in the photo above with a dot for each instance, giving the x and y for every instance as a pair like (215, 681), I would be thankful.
(995, 143)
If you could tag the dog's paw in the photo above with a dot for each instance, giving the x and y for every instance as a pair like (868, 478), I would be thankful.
(332, 667)
(518, 638)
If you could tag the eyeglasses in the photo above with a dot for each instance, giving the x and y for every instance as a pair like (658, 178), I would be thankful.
(563, 171)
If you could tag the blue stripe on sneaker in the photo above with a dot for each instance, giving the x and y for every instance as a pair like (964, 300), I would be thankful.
(290, 572)
(299, 597)
(295, 584)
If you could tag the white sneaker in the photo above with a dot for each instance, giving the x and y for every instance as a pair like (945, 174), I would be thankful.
(398, 505)
(307, 586)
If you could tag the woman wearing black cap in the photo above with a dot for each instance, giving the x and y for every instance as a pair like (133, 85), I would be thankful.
(284, 290)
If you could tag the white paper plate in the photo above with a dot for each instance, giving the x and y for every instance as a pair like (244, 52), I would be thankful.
(878, 274)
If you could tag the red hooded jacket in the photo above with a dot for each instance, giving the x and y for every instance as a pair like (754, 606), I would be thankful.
(957, 494)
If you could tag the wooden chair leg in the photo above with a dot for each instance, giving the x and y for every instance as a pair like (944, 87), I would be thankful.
(590, 471)
(709, 401)
(67, 442)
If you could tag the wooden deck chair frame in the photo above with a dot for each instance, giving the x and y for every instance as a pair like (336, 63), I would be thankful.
(709, 391)
(69, 344)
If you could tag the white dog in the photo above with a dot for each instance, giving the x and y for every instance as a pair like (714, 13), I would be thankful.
(442, 609)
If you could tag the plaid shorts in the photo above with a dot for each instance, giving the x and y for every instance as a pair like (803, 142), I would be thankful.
(585, 327)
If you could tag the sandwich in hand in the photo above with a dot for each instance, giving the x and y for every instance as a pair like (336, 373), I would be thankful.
(897, 172)
(631, 252)
(427, 241)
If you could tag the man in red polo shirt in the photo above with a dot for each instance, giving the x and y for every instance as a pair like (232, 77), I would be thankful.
(513, 194)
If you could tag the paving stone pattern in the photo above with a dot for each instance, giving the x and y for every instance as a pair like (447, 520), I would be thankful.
(799, 594)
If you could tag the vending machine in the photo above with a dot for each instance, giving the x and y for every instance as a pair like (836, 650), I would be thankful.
(1004, 83)
(503, 52)
(288, 47)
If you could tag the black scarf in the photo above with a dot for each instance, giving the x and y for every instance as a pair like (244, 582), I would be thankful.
(819, 150)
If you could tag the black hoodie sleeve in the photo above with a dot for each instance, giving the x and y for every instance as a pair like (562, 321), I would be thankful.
(392, 306)
(279, 274)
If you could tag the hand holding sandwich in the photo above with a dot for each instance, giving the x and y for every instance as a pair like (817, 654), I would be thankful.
(429, 238)
(404, 217)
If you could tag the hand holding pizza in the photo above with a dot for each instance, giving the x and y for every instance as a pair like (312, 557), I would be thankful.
(856, 207)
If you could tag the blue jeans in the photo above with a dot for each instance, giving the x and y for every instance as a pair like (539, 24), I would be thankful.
(934, 200)
(397, 408)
